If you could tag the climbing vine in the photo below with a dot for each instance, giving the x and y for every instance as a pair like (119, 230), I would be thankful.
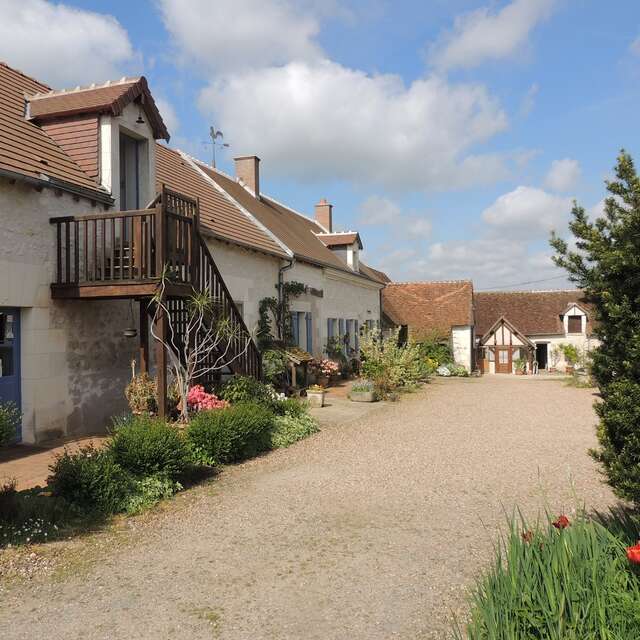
(273, 311)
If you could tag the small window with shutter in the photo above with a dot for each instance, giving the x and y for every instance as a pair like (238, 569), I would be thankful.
(574, 324)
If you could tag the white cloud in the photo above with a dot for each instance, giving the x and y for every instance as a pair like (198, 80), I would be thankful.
(61, 45)
(490, 261)
(325, 121)
(486, 35)
(168, 114)
(634, 47)
(419, 228)
(529, 100)
(240, 34)
(378, 210)
(563, 175)
(528, 210)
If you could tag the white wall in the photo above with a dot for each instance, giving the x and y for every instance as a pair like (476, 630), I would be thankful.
(250, 276)
(74, 358)
(110, 128)
(462, 345)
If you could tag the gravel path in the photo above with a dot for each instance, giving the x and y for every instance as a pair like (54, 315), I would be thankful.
(369, 530)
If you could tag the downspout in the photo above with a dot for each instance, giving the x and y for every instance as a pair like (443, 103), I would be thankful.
(281, 271)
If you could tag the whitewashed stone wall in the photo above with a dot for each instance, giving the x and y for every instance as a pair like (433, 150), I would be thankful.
(462, 345)
(74, 359)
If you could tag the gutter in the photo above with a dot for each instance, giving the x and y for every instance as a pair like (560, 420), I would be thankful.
(281, 271)
(54, 183)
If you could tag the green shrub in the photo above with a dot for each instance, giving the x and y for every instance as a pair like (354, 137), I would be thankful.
(290, 407)
(288, 429)
(436, 348)
(147, 446)
(274, 365)
(233, 434)
(10, 418)
(240, 389)
(91, 480)
(148, 491)
(390, 365)
(558, 584)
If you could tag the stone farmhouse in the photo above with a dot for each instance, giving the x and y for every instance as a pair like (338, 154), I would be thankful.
(490, 330)
(93, 208)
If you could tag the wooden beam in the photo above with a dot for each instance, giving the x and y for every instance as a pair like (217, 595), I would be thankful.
(144, 337)
(161, 363)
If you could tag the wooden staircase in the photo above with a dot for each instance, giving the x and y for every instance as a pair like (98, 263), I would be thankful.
(123, 255)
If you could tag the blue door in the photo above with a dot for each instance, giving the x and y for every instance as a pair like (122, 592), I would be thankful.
(10, 357)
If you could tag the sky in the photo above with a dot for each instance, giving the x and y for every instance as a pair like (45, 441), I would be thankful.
(454, 135)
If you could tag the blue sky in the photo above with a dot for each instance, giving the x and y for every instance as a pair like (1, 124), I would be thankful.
(453, 134)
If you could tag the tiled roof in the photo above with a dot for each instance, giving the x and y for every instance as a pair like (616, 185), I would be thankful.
(296, 231)
(340, 239)
(218, 214)
(111, 97)
(531, 312)
(374, 274)
(426, 307)
(27, 150)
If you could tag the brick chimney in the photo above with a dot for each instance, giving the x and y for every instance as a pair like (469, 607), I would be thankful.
(324, 215)
(248, 170)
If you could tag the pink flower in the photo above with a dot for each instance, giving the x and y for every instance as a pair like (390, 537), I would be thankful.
(199, 400)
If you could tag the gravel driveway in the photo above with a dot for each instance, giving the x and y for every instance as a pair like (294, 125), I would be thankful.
(368, 530)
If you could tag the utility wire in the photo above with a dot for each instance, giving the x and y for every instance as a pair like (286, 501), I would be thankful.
(519, 284)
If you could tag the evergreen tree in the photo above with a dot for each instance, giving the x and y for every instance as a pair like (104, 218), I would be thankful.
(606, 265)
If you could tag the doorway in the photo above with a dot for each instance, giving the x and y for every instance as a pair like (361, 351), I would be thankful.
(503, 359)
(542, 355)
(10, 358)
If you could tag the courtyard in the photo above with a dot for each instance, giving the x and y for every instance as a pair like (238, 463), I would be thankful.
(371, 529)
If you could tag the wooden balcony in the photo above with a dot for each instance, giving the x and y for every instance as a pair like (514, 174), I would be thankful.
(122, 255)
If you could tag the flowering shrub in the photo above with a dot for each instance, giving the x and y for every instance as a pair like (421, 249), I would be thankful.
(199, 400)
(328, 367)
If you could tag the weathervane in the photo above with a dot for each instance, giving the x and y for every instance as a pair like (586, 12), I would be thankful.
(216, 140)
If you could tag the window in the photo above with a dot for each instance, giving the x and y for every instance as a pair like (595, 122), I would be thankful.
(503, 356)
(7, 344)
(240, 307)
(129, 173)
(574, 324)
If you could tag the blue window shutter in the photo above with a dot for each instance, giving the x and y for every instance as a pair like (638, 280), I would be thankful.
(329, 328)
(294, 327)
(309, 333)
(341, 327)
(356, 331)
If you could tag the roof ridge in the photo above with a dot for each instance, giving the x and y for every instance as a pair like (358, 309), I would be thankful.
(512, 291)
(23, 74)
(237, 204)
(432, 282)
(262, 194)
(92, 87)
(335, 233)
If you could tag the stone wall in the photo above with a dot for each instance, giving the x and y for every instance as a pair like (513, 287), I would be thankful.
(75, 361)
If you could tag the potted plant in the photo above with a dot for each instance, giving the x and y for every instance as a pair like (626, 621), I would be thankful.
(571, 356)
(315, 395)
(521, 366)
(327, 369)
(363, 391)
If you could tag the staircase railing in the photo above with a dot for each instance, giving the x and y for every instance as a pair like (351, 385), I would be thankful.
(189, 260)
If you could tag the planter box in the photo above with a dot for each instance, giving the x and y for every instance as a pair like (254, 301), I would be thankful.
(362, 396)
(315, 398)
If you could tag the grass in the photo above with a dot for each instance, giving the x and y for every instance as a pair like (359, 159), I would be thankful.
(560, 584)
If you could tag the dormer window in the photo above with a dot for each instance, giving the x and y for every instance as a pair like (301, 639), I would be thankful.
(130, 158)
(574, 324)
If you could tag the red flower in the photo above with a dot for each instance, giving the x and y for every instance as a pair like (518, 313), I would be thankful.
(562, 522)
(527, 536)
(633, 554)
